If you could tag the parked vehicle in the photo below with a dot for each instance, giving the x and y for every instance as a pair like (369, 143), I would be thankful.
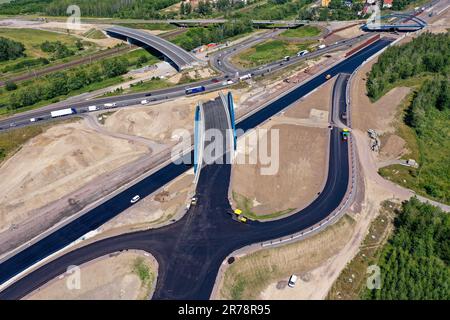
(292, 280)
(63, 112)
(135, 199)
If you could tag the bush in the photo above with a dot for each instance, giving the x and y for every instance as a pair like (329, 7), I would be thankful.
(10, 86)
(10, 49)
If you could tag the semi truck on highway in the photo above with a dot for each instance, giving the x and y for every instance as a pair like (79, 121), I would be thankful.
(109, 105)
(245, 76)
(62, 112)
(195, 90)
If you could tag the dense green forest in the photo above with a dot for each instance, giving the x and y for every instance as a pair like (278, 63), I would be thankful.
(153, 9)
(10, 49)
(429, 116)
(99, 8)
(415, 261)
(426, 53)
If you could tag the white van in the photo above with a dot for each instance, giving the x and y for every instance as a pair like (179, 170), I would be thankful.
(135, 199)
(321, 46)
(292, 281)
(302, 53)
(144, 101)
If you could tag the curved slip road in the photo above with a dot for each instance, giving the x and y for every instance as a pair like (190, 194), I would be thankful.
(190, 251)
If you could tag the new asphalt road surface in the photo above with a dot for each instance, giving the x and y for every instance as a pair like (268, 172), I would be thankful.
(190, 251)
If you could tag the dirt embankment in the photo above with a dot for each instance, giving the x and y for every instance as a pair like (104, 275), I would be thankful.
(121, 276)
(380, 115)
(54, 164)
(300, 155)
(158, 122)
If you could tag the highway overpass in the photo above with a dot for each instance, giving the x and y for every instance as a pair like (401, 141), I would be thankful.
(214, 131)
(179, 57)
(401, 23)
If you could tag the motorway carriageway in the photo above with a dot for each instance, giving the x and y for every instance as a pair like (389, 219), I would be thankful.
(190, 251)
(23, 119)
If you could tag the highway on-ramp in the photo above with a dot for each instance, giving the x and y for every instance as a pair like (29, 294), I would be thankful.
(190, 251)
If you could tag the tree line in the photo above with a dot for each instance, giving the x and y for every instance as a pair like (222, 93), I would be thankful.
(63, 82)
(426, 53)
(429, 116)
(10, 49)
(415, 261)
(98, 8)
(198, 36)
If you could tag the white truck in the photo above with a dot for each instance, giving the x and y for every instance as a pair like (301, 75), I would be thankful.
(321, 46)
(245, 76)
(110, 105)
(92, 108)
(63, 112)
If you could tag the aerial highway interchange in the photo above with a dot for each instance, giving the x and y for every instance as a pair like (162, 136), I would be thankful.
(191, 249)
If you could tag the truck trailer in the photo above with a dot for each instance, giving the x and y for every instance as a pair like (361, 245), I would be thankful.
(62, 112)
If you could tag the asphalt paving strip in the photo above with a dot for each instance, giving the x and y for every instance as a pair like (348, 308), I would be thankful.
(190, 251)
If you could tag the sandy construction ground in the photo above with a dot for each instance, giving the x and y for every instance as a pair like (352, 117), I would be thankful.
(113, 277)
(156, 209)
(54, 164)
(303, 139)
(157, 122)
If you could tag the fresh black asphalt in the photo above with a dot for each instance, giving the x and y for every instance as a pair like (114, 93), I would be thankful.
(190, 251)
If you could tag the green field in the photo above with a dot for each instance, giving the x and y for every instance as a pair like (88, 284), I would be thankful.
(269, 51)
(302, 32)
(32, 40)
(94, 34)
(245, 204)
